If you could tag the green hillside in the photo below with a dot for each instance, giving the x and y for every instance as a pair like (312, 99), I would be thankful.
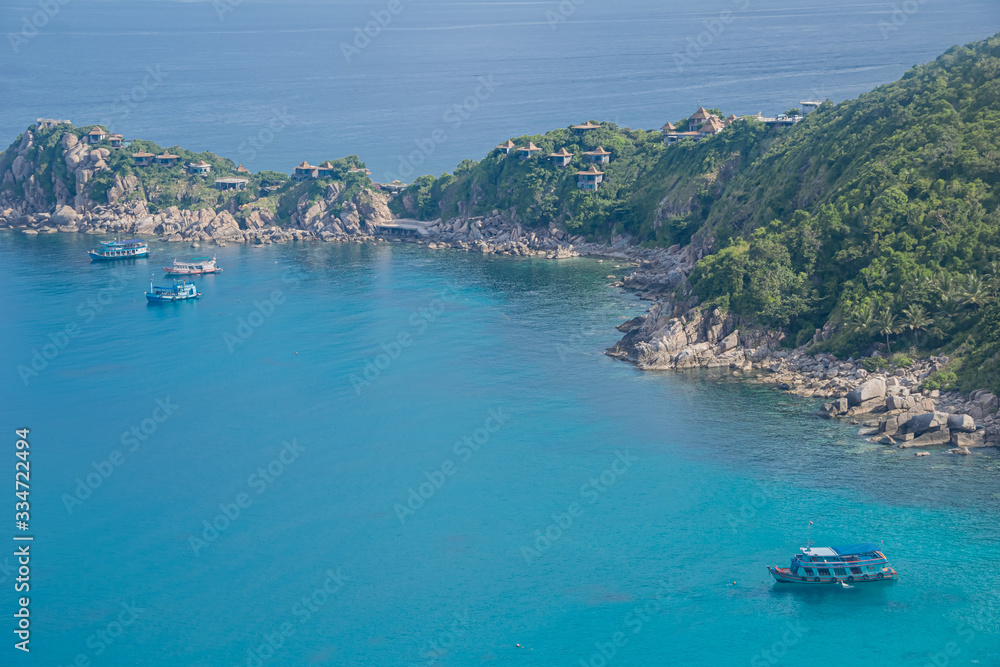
(878, 215)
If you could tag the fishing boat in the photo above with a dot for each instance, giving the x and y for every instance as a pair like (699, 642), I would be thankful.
(849, 564)
(176, 292)
(194, 267)
(120, 250)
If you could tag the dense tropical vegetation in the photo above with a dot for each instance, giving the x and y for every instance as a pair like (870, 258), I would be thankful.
(877, 217)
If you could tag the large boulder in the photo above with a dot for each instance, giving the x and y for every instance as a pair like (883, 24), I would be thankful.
(900, 402)
(974, 439)
(928, 439)
(65, 215)
(926, 422)
(963, 423)
(866, 391)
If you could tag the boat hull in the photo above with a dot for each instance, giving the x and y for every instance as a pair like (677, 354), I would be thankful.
(186, 272)
(783, 575)
(98, 257)
(160, 298)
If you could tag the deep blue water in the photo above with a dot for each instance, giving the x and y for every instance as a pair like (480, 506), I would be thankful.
(269, 85)
(663, 496)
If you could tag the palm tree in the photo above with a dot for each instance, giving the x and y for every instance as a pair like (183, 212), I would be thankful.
(861, 319)
(974, 291)
(886, 326)
(915, 319)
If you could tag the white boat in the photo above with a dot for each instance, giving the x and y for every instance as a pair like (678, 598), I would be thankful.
(193, 267)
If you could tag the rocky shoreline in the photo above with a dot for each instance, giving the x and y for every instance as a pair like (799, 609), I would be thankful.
(674, 335)
(891, 406)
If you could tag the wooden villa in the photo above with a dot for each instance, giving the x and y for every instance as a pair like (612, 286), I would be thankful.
(96, 136)
(698, 118)
(712, 126)
(231, 183)
(590, 179)
(325, 170)
(168, 159)
(305, 171)
(668, 127)
(527, 152)
(199, 168)
(242, 170)
(599, 155)
(142, 159)
(115, 140)
(359, 170)
(580, 130)
(561, 158)
(506, 147)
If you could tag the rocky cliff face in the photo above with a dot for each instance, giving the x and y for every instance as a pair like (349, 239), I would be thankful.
(27, 206)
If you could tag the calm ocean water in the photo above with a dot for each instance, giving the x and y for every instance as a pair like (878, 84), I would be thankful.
(467, 479)
(269, 84)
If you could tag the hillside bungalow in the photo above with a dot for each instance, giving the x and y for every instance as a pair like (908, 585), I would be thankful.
(305, 171)
(561, 158)
(590, 179)
(599, 155)
(168, 159)
(669, 127)
(674, 137)
(698, 118)
(115, 140)
(528, 151)
(96, 136)
(506, 147)
(325, 170)
(731, 119)
(231, 183)
(712, 126)
(142, 159)
(198, 168)
(242, 170)
(580, 130)
(359, 170)
(809, 105)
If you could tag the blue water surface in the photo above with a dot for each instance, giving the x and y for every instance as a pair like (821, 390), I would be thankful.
(433, 462)
(270, 83)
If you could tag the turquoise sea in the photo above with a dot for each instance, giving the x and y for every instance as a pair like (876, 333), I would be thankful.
(384, 455)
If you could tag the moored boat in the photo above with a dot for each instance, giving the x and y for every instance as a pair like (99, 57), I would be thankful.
(116, 249)
(194, 267)
(176, 292)
(849, 564)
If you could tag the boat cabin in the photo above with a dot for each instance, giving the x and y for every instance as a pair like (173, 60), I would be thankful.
(855, 560)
